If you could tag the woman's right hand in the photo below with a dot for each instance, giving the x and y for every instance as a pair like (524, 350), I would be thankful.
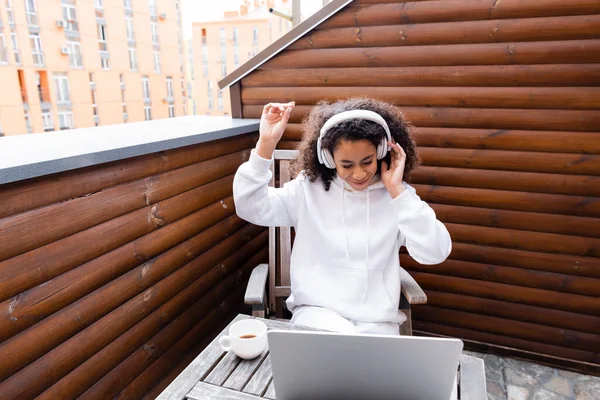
(273, 121)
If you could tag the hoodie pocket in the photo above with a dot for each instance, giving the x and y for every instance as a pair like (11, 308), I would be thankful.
(338, 288)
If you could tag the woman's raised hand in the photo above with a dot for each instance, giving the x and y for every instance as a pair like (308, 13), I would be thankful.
(273, 121)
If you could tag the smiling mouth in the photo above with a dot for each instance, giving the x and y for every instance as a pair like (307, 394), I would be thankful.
(361, 182)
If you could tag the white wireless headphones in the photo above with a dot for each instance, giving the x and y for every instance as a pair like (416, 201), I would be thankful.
(325, 156)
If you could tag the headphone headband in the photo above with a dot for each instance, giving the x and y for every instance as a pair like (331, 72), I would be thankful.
(325, 156)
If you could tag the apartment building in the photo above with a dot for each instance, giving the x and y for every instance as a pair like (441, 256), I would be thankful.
(219, 47)
(80, 63)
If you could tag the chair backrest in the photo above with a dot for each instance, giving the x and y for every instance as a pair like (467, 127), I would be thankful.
(280, 239)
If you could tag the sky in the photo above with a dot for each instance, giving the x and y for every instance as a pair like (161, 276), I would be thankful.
(210, 10)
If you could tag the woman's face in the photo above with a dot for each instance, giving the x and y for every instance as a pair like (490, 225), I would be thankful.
(356, 162)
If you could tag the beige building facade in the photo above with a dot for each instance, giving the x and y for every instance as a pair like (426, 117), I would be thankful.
(80, 63)
(219, 47)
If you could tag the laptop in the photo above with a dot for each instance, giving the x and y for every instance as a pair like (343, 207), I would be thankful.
(325, 365)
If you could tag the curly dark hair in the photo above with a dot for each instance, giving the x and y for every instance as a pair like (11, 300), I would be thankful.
(352, 130)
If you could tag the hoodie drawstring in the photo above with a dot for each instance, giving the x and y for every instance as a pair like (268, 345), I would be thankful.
(368, 241)
(344, 222)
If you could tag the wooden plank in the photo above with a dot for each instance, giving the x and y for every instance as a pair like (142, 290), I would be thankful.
(255, 292)
(236, 102)
(22, 196)
(167, 324)
(550, 52)
(187, 358)
(111, 383)
(144, 382)
(494, 31)
(454, 10)
(27, 308)
(472, 378)
(524, 221)
(510, 200)
(563, 264)
(521, 161)
(484, 118)
(559, 283)
(259, 382)
(197, 369)
(512, 347)
(48, 224)
(514, 140)
(513, 311)
(162, 279)
(283, 291)
(503, 292)
(411, 289)
(270, 393)
(203, 391)
(54, 259)
(494, 139)
(577, 98)
(516, 329)
(223, 369)
(242, 374)
(529, 241)
(285, 239)
(578, 185)
(551, 75)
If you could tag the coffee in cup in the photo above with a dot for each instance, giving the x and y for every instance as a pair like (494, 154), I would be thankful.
(247, 338)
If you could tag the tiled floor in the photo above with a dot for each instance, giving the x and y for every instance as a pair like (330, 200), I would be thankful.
(510, 379)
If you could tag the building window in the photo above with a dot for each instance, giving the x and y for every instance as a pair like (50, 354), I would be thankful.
(99, 3)
(194, 107)
(146, 87)
(28, 122)
(236, 49)
(75, 59)
(70, 17)
(31, 12)
(1, 131)
(147, 113)
(9, 12)
(130, 28)
(123, 103)
(132, 59)
(61, 82)
(15, 46)
(170, 88)
(48, 122)
(220, 100)
(3, 55)
(204, 54)
(102, 37)
(171, 110)
(210, 96)
(65, 120)
(255, 40)
(223, 40)
(189, 88)
(154, 30)
(182, 88)
(156, 54)
(127, 4)
(37, 51)
(152, 7)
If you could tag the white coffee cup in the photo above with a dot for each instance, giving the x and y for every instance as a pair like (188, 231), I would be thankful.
(247, 338)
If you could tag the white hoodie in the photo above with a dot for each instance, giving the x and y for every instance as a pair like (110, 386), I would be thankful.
(345, 254)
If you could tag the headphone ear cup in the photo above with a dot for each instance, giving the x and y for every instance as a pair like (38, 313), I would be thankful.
(328, 159)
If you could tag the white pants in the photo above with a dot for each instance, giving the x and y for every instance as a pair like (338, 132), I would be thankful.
(323, 318)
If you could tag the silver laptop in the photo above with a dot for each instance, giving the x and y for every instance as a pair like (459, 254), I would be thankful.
(323, 365)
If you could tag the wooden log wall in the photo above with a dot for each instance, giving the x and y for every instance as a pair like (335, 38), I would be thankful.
(505, 97)
(114, 277)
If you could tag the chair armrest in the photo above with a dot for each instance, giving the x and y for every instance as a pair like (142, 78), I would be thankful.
(411, 289)
(255, 292)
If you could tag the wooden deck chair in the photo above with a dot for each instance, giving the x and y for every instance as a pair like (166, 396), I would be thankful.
(277, 271)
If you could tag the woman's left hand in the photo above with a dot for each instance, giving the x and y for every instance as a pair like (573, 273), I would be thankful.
(391, 176)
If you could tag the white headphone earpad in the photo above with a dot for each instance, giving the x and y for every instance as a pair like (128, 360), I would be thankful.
(328, 159)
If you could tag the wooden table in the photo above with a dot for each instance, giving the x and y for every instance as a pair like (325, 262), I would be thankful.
(215, 374)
